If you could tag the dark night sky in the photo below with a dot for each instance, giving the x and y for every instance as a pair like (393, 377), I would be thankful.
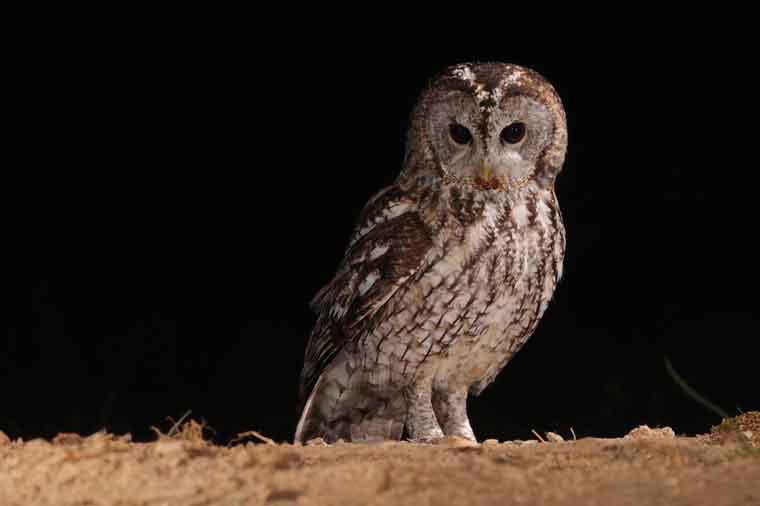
(176, 205)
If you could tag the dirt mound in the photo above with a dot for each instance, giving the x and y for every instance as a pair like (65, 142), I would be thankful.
(744, 428)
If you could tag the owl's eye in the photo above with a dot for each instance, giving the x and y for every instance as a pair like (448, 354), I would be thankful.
(460, 134)
(513, 133)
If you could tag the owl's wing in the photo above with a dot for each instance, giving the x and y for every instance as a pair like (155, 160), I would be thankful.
(387, 247)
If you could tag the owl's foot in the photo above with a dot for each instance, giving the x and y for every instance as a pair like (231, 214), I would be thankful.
(435, 437)
(421, 423)
(463, 430)
(451, 411)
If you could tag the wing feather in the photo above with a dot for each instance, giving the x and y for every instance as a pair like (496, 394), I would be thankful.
(388, 245)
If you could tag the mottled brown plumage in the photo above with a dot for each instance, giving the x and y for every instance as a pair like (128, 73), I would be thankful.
(449, 270)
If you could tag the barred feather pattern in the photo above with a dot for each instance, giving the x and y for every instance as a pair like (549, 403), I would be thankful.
(449, 270)
(441, 285)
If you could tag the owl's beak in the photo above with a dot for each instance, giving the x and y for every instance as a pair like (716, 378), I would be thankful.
(486, 171)
(486, 177)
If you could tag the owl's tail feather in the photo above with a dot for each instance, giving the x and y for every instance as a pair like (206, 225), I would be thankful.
(340, 408)
(310, 422)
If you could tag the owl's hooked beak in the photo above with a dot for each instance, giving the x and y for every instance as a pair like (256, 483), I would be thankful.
(486, 171)
(486, 178)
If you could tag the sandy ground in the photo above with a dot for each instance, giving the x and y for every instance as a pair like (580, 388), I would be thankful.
(649, 466)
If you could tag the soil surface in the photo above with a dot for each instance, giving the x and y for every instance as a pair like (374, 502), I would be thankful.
(648, 466)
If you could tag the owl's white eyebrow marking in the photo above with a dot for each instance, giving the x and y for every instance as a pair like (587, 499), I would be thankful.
(496, 95)
(465, 73)
(515, 76)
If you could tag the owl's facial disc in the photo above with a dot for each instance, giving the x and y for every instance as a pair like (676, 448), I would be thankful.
(490, 126)
(493, 149)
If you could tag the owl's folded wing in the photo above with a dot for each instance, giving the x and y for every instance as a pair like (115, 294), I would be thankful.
(388, 246)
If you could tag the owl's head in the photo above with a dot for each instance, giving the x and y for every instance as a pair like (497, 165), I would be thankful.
(491, 126)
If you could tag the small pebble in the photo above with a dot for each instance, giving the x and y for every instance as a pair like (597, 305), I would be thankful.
(554, 438)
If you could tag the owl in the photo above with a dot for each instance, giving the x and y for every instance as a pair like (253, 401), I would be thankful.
(449, 270)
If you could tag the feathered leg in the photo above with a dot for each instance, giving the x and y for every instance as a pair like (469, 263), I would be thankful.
(451, 410)
(421, 423)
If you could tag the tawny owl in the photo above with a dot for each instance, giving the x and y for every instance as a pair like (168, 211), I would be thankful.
(449, 269)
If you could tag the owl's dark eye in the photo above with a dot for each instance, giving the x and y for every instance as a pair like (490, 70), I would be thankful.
(513, 133)
(460, 134)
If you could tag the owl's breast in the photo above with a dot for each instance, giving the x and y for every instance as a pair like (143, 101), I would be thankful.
(507, 272)
(477, 297)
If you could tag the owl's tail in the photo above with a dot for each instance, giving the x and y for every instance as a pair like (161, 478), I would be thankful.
(341, 406)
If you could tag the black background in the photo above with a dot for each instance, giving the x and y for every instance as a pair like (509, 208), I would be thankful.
(171, 207)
